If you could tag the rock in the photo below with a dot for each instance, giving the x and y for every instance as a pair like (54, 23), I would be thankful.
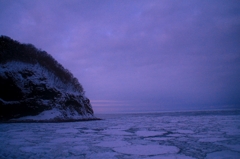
(32, 85)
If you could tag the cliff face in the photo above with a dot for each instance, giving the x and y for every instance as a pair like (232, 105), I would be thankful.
(31, 91)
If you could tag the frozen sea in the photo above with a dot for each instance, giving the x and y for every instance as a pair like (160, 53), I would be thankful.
(179, 135)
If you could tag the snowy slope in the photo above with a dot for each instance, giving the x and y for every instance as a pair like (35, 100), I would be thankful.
(41, 90)
(35, 87)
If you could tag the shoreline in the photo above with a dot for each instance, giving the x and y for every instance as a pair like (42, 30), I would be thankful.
(49, 121)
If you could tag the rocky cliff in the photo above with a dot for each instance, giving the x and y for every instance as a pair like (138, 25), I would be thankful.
(35, 87)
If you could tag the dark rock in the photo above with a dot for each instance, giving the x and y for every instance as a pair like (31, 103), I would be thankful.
(31, 87)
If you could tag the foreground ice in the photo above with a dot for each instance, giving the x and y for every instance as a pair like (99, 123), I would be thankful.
(147, 149)
(140, 136)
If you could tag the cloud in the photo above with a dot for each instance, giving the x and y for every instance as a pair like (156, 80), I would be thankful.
(166, 53)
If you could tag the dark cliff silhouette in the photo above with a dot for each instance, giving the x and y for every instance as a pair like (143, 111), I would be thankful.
(32, 82)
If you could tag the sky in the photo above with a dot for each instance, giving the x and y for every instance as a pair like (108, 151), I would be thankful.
(138, 55)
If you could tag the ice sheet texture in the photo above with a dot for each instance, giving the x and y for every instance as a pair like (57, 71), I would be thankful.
(138, 136)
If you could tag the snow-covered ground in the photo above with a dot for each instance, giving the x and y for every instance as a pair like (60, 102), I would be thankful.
(137, 136)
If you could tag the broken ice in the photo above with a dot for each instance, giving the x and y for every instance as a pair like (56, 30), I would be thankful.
(140, 136)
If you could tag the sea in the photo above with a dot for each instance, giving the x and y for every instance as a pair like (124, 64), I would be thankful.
(166, 135)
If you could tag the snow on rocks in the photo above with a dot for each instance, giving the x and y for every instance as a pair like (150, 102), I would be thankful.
(46, 115)
(41, 95)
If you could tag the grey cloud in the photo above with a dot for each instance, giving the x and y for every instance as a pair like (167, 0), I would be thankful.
(172, 53)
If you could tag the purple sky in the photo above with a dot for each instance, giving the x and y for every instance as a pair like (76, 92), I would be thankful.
(138, 55)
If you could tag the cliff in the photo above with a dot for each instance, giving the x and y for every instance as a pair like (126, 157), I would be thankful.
(36, 88)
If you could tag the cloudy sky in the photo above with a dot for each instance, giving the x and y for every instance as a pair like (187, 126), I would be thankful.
(138, 55)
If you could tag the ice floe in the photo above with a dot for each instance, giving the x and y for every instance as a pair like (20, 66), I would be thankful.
(223, 155)
(146, 149)
(129, 137)
(147, 133)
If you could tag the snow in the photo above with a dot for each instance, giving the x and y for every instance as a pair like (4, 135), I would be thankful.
(223, 155)
(146, 133)
(128, 137)
(66, 131)
(171, 156)
(212, 139)
(233, 147)
(51, 115)
(185, 131)
(15, 67)
(159, 138)
(146, 149)
(116, 132)
(115, 143)
(40, 73)
(46, 115)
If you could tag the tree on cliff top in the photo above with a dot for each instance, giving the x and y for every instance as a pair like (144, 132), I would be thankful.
(12, 50)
